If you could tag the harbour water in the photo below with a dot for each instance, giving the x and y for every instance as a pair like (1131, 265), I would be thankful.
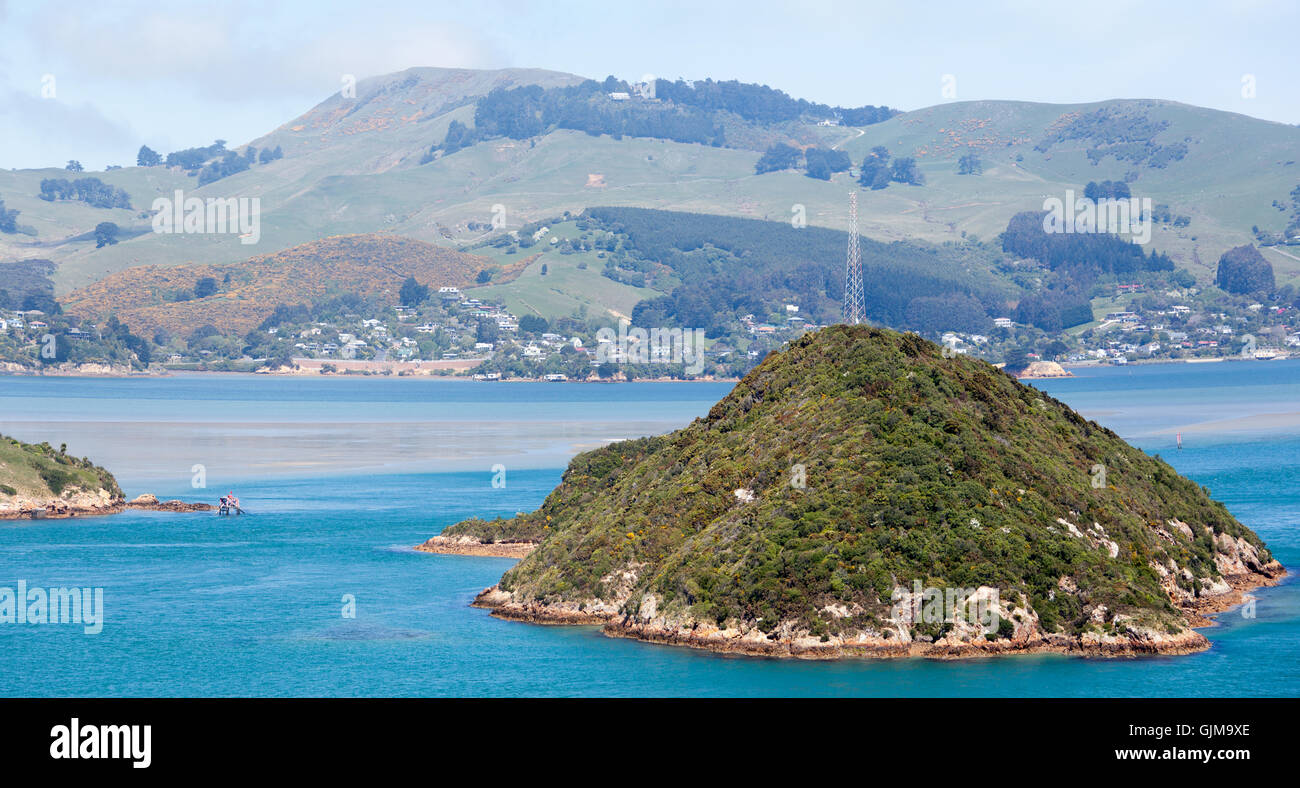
(344, 476)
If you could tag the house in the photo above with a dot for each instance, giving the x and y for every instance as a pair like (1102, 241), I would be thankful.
(557, 378)
(1003, 322)
(619, 96)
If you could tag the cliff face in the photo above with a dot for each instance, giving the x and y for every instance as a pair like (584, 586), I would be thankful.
(1044, 369)
(861, 494)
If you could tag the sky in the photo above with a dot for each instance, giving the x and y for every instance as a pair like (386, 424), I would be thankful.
(93, 81)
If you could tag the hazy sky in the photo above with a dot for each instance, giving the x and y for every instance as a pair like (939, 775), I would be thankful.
(179, 74)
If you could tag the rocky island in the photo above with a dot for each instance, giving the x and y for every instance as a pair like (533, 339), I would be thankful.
(849, 490)
(38, 481)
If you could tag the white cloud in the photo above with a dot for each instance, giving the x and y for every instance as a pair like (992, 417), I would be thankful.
(48, 132)
(232, 52)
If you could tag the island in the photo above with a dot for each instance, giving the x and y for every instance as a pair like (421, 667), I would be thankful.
(38, 481)
(862, 494)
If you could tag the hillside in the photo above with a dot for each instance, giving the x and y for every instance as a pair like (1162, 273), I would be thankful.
(148, 298)
(1222, 169)
(358, 165)
(918, 472)
(36, 475)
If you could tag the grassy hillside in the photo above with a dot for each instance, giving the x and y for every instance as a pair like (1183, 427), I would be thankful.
(40, 471)
(916, 467)
(572, 284)
(354, 166)
(1224, 183)
(148, 298)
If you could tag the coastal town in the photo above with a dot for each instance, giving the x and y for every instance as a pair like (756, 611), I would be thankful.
(453, 333)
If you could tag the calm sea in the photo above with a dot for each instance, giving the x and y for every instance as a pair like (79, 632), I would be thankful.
(343, 476)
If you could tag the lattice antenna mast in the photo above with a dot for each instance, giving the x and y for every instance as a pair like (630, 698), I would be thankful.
(855, 300)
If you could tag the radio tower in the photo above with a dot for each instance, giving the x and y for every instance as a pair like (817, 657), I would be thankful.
(855, 301)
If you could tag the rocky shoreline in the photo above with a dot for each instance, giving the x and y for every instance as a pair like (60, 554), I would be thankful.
(467, 545)
(1135, 640)
(84, 504)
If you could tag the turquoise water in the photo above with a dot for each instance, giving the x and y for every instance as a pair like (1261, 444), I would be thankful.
(197, 605)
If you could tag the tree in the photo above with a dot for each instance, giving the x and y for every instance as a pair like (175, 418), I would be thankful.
(105, 234)
(970, 164)
(874, 173)
(821, 163)
(533, 324)
(1107, 190)
(73, 166)
(483, 277)
(1018, 358)
(487, 331)
(8, 219)
(458, 136)
(412, 292)
(1244, 270)
(905, 171)
(1055, 349)
(147, 157)
(778, 157)
(42, 302)
(543, 269)
(205, 287)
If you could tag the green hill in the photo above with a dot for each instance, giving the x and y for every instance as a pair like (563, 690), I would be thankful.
(811, 507)
(41, 472)
(354, 165)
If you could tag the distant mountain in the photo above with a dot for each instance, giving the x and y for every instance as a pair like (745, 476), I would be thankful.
(362, 165)
(822, 505)
(395, 116)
